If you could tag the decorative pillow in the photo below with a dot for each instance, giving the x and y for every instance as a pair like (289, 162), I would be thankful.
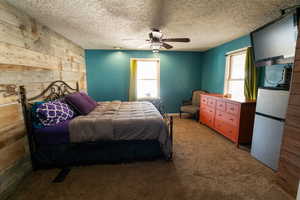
(36, 123)
(80, 103)
(54, 112)
(89, 99)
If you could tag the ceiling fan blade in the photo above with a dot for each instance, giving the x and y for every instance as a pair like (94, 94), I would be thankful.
(167, 46)
(176, 40)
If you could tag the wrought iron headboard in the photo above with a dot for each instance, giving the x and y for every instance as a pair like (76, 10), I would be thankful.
(56, 90)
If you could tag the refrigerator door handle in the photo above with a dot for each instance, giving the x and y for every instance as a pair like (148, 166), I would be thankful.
(269, 116)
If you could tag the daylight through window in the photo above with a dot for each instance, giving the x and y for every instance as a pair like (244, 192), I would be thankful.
(235, 74)
(147, 79)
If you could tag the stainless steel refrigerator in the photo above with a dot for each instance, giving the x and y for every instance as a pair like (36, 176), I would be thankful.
(269, 122)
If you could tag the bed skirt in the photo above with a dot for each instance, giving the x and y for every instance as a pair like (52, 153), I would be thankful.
(65, 155)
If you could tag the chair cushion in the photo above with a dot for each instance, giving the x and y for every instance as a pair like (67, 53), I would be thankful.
(196, 97)
(189, 109)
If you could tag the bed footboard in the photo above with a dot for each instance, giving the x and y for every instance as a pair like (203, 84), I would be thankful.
(169, 121)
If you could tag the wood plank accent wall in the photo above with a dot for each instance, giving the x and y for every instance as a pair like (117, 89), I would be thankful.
(32, 55)
(289, 163)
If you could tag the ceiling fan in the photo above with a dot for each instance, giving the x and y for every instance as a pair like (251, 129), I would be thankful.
(156, 40)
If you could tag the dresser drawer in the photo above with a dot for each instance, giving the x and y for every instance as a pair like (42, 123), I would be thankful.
(232, 108)
(231, 119)
(221, 105)
(207, 119)
(208, 110)
(228, 118)
(204, 100)
(220, 115)
(211, 102)
(226, 129)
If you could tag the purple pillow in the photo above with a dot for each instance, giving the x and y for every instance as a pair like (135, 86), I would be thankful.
(54, 112)
(89, 99)
(80, 103)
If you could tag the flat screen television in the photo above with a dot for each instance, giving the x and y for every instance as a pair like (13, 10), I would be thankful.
(276, 40)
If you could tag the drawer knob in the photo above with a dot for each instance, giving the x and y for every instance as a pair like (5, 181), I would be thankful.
(231, 119)
(231, 108)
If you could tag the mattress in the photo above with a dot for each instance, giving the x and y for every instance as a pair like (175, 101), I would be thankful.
(118, 120)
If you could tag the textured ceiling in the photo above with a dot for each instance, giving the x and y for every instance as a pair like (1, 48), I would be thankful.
(104, 24)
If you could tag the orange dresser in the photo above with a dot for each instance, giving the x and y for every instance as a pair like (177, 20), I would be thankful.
(233, 118)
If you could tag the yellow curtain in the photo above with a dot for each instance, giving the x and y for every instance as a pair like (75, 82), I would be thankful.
(132, 84)
(250, 86)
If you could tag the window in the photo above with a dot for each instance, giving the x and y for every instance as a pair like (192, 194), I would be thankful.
(147, 78)
(235, 74)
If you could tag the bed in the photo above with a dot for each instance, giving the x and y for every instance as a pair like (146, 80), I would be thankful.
(113, 132)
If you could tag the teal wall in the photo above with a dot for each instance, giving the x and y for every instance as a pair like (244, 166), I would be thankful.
(214, 61)
(108, 74)
(180, 72)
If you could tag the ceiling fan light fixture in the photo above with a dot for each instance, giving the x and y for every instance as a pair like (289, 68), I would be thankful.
(157, 34)
(155, 46)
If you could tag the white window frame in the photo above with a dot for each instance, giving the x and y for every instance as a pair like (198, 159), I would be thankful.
(228, 78)
(157, 78)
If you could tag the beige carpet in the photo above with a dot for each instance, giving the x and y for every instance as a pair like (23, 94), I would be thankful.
(205, 166)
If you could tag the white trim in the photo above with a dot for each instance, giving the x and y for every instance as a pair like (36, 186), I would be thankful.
(228, 67)
(158, 78)
(173, 114)
(177, 114)
(237, 51)
(146, 59)
(158, 73)
(226, 78)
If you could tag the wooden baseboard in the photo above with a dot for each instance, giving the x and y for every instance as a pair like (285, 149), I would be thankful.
(177, 114)
(173, 114)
